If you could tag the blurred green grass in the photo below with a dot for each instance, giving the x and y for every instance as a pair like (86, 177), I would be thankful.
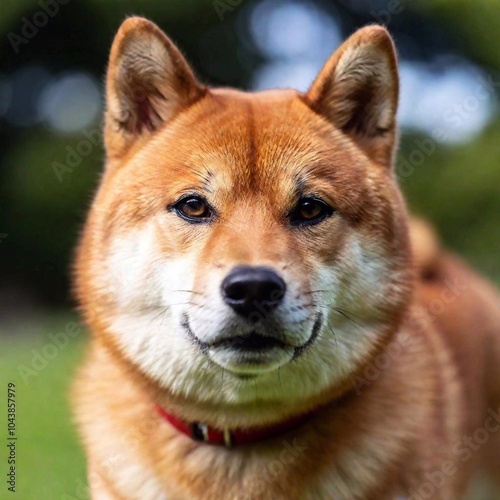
(50, 460)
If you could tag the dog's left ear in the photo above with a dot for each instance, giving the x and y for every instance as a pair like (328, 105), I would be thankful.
(357, 91)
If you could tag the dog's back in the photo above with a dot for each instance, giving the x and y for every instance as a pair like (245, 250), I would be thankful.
(464, 310)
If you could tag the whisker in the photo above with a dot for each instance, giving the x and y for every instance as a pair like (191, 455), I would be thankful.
(190, 291)
(165, 309)
(222, 379)
(344, 315)
(155, 308)
(150, 308)
(348, 312)
(207, 365)
(343, 312)
(316, 344)
(161, 313)
(316, 291)
(334, 336)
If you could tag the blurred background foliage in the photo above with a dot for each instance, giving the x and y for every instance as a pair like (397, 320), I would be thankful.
(53, 61)
(54, 56)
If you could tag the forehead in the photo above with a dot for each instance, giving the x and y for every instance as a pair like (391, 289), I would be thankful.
(235, 141)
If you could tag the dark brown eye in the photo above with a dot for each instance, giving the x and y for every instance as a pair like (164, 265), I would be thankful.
(193, 209)
(309, 211)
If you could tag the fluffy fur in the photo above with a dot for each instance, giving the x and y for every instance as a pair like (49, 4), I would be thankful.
(407, 358)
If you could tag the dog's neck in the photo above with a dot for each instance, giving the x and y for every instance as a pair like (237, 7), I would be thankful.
(199, 431)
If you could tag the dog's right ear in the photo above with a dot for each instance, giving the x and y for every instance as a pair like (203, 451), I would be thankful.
(147, 84)
(357, 91)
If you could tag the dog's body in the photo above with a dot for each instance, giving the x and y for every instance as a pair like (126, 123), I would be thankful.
(214, 197)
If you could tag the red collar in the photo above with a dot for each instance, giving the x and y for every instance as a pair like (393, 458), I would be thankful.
(230, 438)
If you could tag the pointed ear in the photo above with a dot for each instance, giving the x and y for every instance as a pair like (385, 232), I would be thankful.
(147, 84)
(357, 91)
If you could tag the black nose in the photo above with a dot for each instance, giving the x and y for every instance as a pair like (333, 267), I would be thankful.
(253, 290)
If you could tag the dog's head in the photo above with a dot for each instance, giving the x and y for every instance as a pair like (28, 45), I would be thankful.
(247, 247)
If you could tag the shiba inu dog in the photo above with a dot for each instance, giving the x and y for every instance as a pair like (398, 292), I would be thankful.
(266, 321)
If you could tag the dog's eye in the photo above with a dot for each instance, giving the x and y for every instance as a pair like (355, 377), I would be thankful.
(193, 209)
(309, 211)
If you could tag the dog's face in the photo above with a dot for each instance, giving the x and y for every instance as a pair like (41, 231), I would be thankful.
(246, 247)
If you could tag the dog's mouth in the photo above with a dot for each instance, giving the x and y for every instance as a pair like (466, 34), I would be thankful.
(251, 342)
(252, 352)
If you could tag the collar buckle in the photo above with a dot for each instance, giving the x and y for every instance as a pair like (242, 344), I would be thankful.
(199, 432)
